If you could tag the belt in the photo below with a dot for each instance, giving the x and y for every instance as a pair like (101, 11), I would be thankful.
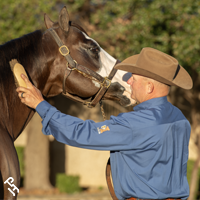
(133, 198)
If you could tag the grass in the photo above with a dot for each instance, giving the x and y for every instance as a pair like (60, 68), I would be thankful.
(67, 184)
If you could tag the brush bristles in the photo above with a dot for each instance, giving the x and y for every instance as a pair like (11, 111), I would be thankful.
(12, 63)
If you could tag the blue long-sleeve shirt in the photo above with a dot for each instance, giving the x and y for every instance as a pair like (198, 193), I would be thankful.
(148, 146)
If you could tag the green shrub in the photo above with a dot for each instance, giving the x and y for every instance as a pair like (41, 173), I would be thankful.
(20, 153)
(67, 184)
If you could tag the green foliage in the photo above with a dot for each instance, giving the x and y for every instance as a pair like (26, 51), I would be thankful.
(170, 26)
(19, 17)
(67, 184)
(20, 153)
(122, 27)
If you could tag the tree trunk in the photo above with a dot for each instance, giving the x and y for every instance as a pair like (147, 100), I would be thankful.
(36, 156)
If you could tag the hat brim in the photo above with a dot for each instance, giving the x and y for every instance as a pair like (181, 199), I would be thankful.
(182, 79)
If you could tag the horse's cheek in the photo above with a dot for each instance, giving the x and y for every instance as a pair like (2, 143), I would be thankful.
(82, 86)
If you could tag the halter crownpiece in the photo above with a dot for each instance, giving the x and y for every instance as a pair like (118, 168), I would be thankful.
(72, 65)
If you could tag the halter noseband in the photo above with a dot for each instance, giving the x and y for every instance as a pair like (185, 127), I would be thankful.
(105, 82)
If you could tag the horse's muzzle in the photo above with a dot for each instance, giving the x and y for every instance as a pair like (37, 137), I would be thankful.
(115, 93)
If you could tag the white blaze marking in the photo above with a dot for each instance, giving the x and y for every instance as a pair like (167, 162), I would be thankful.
(107, 62)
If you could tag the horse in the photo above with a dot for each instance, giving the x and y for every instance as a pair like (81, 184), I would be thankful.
(38, 52)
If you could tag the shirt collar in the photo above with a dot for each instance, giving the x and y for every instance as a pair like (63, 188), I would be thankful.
(151, 103)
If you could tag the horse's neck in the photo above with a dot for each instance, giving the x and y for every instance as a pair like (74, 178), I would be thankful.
(15, 115)
(50, 81)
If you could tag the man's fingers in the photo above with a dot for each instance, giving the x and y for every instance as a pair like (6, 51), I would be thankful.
(22, 89)
(30, 95)
(26, 80)
(21, 94)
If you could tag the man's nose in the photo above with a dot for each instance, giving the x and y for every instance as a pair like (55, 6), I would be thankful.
(129, 81)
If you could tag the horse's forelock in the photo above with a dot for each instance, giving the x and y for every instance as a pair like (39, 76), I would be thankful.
(77, 26)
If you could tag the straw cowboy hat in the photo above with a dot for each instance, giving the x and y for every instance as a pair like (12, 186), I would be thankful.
(158, 66)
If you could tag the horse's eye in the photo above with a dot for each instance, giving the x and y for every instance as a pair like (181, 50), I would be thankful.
(94, 50)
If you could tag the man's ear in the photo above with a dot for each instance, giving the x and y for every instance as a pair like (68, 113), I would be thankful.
(150, 87)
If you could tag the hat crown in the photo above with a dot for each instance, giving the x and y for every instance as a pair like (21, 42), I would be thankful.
(157, 62)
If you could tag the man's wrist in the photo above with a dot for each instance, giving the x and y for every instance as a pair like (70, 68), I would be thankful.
(42, 108)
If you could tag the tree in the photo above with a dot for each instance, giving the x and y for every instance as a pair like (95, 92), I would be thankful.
(36, 157)
(19, 17)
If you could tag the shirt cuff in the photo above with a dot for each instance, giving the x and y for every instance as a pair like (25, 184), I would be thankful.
(42, 108)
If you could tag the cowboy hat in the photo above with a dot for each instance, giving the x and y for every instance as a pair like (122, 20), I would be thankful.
(158, 66)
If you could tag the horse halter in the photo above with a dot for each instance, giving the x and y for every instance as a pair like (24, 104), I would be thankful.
(105, 82)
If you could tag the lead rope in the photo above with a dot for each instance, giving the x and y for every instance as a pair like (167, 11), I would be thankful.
(102, 110)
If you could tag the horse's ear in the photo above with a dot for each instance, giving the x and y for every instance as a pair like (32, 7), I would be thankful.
(64, 19)
(48, 22)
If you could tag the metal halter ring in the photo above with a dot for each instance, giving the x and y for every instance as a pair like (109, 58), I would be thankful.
(70, 68)
(22, 95)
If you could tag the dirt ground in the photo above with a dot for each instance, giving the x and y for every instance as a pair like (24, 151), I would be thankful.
(54, 194)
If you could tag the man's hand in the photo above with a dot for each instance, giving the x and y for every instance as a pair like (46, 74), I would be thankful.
(30, 96)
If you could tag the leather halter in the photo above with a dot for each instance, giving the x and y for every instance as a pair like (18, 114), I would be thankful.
(104, 81)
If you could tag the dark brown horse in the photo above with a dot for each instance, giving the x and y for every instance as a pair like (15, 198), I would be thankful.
(38, 53)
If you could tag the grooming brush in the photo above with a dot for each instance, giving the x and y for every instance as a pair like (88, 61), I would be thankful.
(17, 70)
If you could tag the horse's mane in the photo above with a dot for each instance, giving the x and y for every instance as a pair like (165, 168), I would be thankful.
(25, 49)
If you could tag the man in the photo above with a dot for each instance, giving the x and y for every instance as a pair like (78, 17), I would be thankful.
(149, 146)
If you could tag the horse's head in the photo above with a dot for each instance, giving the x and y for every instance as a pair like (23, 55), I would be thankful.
(86, 52)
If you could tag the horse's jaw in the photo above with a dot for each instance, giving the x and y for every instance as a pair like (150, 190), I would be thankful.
(116, 93)
(107, 63)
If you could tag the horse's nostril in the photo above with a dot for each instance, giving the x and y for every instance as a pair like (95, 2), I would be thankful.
(122, 88)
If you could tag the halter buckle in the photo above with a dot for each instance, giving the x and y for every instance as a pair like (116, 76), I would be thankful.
(105, 84)
(64, 50)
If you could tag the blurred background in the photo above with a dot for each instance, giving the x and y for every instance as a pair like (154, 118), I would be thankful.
(122, 28)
